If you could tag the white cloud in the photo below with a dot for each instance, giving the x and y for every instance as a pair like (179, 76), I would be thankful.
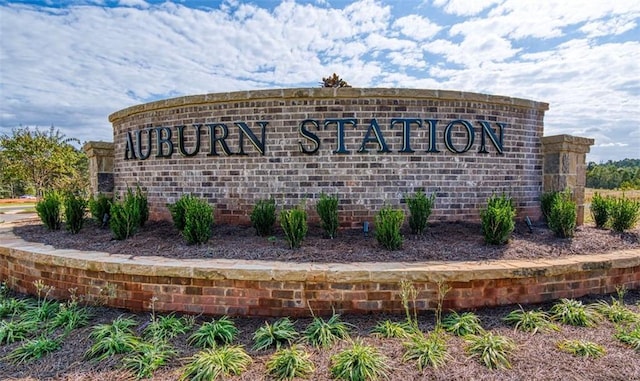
(73, 66)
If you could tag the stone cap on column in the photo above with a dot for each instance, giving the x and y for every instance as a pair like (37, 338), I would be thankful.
(98, 148)
(566, 143)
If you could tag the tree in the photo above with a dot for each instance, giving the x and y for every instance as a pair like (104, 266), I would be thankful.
(44, 160)
(334, 81)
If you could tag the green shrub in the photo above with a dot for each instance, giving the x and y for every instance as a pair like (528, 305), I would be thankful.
(562, 220)
(323, 334)
(290, 363)
(419, 211)
(12, 331)
(198, 222)
(430, 350)
(216, 363)
(263, 216)
(112, 339)
(211, 333)
(49, 210)
(624, 214)
(492, 350)
(167, 327)
(629, 336)
(530, 321)
(148, 357)
(463, 324)
(74, 209)
(34, 349)
(547, 200)
(498, 219)
(99, 206)
(141, 203)
(392, 329)
(388, 224)
(124, 221)
(601, 209)
(294, 224)
(71, 316)
(276, 334)
(359, 362)
(573, 312)
(581, 348)
(327, 208)
(179, 209)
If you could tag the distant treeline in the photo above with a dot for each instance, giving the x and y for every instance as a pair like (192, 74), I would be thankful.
(623, 174)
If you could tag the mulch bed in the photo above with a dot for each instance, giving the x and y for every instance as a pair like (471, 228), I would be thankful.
(458, 241)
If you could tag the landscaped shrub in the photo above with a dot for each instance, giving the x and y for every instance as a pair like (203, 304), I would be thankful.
(327, 208)
(276, 334)
(492, 350)
(388, 224)
(323, 334)
(290, 363)
(179, 209)
(581, 348)
(419, 211)
(124, 221)
(141, 203)
(99, 206)
(546, 202)
(216, 363)
(562, 220)
(198, 222)
(601, 209)
(498, 219)
(359, 362)
(624, 214)
(263, 216)
(210, 334)
(49, 210)
(574, 312)
(294, 224)
(427, 351)
(74, 209)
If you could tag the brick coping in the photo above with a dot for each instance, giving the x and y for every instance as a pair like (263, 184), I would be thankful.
(320, 92)
(219, 269)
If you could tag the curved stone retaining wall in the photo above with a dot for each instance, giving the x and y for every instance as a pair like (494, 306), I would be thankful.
(368, 146)
(258, 288)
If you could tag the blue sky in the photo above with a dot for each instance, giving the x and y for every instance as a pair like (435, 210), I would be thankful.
(72, 63)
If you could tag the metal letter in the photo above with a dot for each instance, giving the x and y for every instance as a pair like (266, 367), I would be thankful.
(310, 136)
(497, 141)
(373, 126)
(213, 139)
(406, 132)
(181, 148)
(162, 141)
(447, 135)
(128, 149)
(340, 133)
(432, 135)
(246, 131)
(144, 156)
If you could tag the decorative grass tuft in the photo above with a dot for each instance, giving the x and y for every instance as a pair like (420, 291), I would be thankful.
(323, 334)
(390, 329)
(574, 312)
(210, 334)
(427, 351)
(530, 321)
(463, 324)
(359, 362)
(492, 350)
(290, 363)
(276, 334)
(216, 363)
(581, 348)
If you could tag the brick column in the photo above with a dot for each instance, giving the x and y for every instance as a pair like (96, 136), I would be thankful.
(101, 158)
(564, 166)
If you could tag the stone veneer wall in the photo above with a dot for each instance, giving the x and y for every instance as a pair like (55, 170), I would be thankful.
(261, 288)
(363, 181)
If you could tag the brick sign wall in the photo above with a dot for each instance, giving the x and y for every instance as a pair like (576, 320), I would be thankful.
(368, 146)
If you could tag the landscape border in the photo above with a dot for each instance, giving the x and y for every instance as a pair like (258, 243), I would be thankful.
(270, 288)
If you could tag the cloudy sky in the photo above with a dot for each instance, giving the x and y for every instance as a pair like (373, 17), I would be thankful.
(72, 63)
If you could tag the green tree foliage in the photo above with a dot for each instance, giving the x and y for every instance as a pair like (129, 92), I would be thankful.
(43, 160)
(623, 174)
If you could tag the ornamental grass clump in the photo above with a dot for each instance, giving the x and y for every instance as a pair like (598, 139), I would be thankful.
(601, 210)
(216, 363)
(210, 334)
(112, 339)
(322, 333)
(533, 321)
(388, 224)
(99, 207)
(427, 351)
(420, 207)
(498, 219)
(581, 348)
(491, 350)
(148, 357)
(562, 219)
(167, 327)
(294, 225)
(48, 210)
(12, 331)
(574, 312)
(34, 349)
(625, 213)
(263, 217)
(198, 222)
(274, 335)
(463, 324)
(327, 209)
(392, 329)
(629, 335)
(74, 210)
(290, 363)
(359, 362)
